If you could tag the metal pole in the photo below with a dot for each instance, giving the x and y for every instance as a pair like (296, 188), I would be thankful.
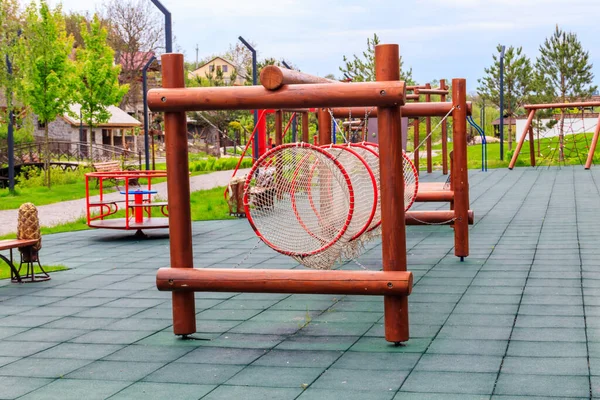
(168, 26)
(10, 138)
(145, 100)
(285, 64)
(502, 103)
(254, 82)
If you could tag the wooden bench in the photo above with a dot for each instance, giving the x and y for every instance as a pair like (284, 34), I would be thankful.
(10, 244)
(107, 166)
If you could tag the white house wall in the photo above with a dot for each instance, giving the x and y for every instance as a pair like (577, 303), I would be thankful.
(573, 124)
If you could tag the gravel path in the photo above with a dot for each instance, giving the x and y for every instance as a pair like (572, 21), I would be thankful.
(66, 211)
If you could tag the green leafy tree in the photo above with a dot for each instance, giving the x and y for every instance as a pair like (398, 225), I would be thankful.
(48, 71)
(10, 23)
(97, 77)
(518, 83)
(566, 67)
(362, 69)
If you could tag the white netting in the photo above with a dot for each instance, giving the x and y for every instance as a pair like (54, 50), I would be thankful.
(319, 204)
(297, 198)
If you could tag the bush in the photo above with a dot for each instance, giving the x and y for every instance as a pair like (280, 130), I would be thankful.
(35, 177)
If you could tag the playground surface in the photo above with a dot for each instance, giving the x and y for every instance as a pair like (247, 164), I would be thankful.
(517, 318)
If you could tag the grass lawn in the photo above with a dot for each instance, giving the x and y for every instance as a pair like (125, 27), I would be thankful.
(576, 149)
(5, 270)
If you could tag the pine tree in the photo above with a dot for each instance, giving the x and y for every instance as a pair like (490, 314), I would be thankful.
(97, 77)
(518, 83)
(362, 69)
(48, 83)
(566, 66)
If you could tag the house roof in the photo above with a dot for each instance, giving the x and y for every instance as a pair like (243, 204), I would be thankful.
(118, 118)
(240, 71)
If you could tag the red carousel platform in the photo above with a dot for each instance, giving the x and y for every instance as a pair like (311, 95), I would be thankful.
(130, 191)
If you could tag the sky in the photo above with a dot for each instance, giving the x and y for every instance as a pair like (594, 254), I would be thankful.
(437, 38)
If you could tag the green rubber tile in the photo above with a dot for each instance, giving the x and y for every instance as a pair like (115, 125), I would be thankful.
(81, 302)
(554, 310)
(493, 309)
(538, 321)
(360, 380)
(160, 391)
(377, 361)
(468, 347)
(285, 316)
(480, 320)
(143, 353)
(359, 306)
(333, 343)
(267, 328)
(137, 324)
(331, 394)
(546, 365)
(475, 332)
(235, 304)
(450, 382)
(252, 393)
(42, 368)
(518, 348)
(8, 331)
(292, 377)
(105, 312)
(218, 355)
(245, 341)
(416, 331)
(543, 385)
(47, 335)
(17, 321)
(8, 360)
(80, 323)
(375, 344)
(14, 387)
(78, 351)
(112, 337)
(335, 329)
(165, 338)
(427, 318)
(51, 311)
(439, 396)
(348, 317)
(549, 334)
(294, 358)
(228, 315)
(304, 305)
(203, 374)
(490, 299)
(15, 348)
(459, 363)
(76, 389)
(130, 371)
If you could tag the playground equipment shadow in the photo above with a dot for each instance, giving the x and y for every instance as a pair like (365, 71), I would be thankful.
(517, 318)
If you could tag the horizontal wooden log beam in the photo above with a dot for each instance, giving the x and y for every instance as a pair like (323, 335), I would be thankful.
(434, 217)
(412, 97)
(369, 283)
(388, 94)
(434, 196)
(410, 110)
(562, 105)
(431, 91)
(273, 77)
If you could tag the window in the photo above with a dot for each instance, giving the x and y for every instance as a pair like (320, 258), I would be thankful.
(211, 68)
(224, 68)
(41, 125)
(219, 68)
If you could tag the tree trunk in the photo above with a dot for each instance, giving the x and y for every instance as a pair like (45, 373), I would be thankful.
(218, 144)
(47, 155)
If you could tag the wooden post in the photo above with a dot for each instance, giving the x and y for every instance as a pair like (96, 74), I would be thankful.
(324, 126)
(178, 187)
(305, 138)
(444, 132)
(428, 133)
(531, 147)
(590, 157)
(513, 161)
(416, 140)
(389, 129)
(460, 173)
(278, 128)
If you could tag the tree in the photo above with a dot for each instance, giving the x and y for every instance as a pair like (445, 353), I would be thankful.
(362, 69)
(566, 66)
(10, 23)
(97, 77)
(135, 30)
(518, 83)
(48, 71)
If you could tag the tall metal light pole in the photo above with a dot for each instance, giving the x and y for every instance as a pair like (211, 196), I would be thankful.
(168, 26)
(502, 103)
(145, 94)
(254, 82)
(285, 64)
(10, 137)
